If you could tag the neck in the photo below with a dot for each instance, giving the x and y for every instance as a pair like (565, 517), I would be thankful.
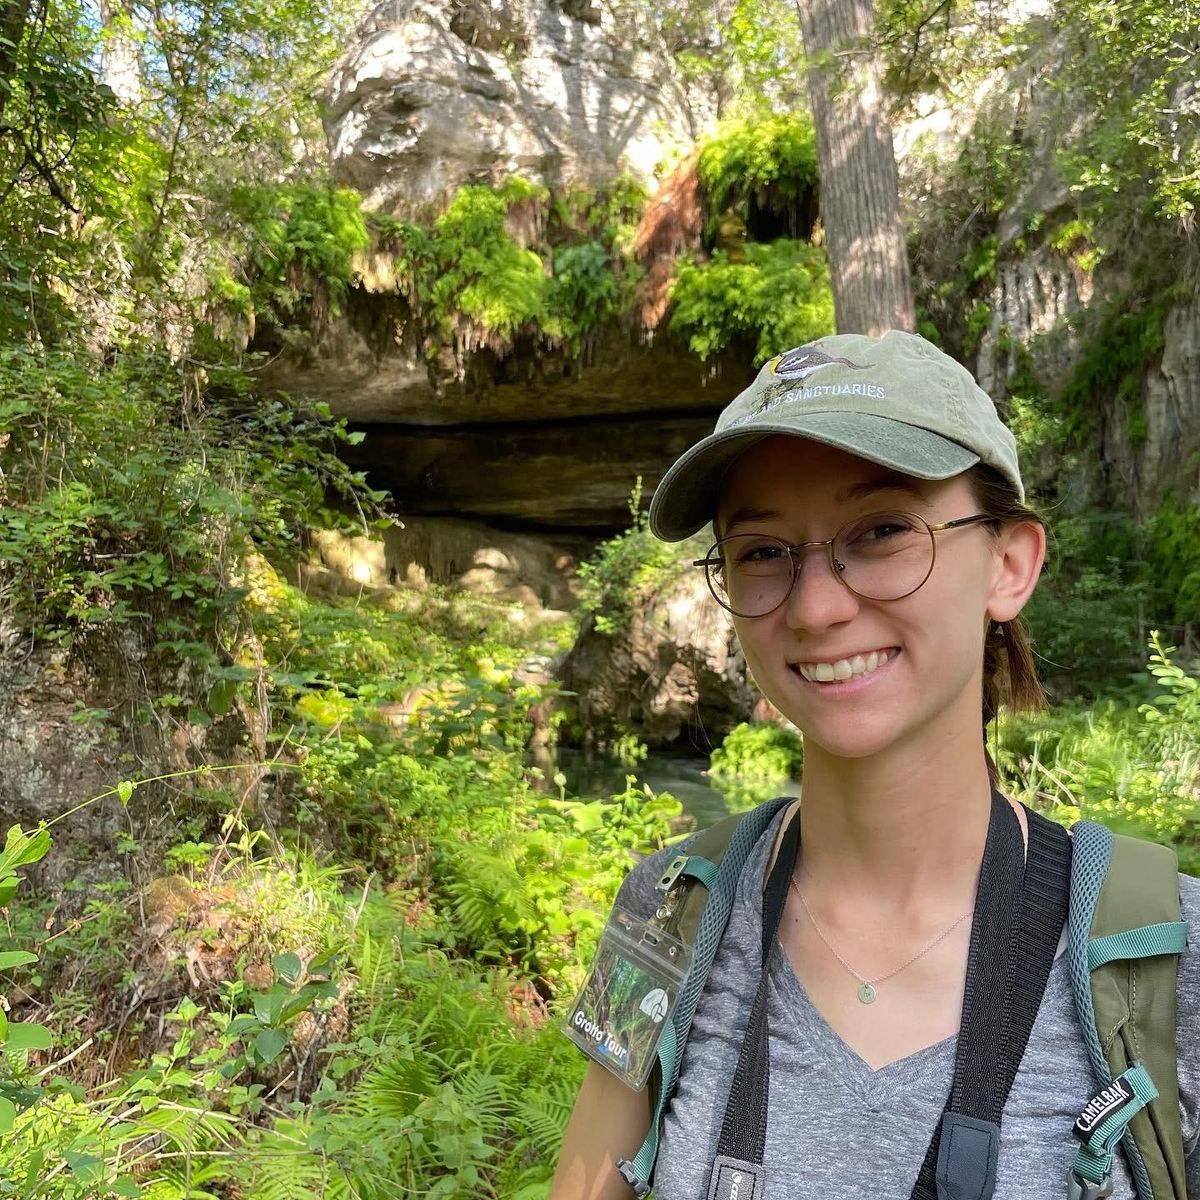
(906, 832)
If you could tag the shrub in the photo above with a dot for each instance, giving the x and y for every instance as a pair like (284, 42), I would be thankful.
(761, 751)
(303, 239)
(776, 154)
(482, 272)
(126, 487)
(1135, 769)
(620, 570)
(1173, 562)
(777, 296)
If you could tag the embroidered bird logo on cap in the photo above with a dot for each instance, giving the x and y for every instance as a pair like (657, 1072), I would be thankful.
(805, 360)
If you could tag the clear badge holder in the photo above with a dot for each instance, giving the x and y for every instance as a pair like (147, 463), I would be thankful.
(629, 997)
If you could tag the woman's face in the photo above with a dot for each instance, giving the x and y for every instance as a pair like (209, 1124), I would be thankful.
(928, 647)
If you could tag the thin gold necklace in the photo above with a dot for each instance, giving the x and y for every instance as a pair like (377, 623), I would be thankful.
(866, 989)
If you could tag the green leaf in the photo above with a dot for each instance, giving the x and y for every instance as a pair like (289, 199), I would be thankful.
(86, 1167)
(21, 849)
(125, 791)
(24, 1035)
(269, 1005)
(8, 1114)
(288, 967)
(15, 958)
(269, 1044)
(241, 1024)
(221, 696)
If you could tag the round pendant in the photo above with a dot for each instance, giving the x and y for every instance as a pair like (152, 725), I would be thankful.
(866, 994)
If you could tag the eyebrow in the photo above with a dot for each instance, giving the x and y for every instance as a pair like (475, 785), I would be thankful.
(751, 514)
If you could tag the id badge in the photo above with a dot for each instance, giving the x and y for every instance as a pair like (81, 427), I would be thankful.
(629, 997)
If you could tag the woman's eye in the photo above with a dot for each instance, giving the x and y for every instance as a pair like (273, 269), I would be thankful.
(760, 552)
(879, 529)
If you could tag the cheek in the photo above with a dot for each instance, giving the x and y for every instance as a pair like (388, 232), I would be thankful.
(745, 633)
(960, 615)
(760, 644)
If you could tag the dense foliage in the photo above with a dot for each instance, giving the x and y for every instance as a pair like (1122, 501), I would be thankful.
(322, 942)
(765, 297)
(771, 159)
(347, 1028)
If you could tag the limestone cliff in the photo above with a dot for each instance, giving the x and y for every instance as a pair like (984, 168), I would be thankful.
(434, 95)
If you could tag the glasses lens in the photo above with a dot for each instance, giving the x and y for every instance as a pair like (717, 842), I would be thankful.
(753, 575)
(885, 556)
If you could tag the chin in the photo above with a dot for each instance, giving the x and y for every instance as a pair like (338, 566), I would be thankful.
(847, 735)
(862, 741)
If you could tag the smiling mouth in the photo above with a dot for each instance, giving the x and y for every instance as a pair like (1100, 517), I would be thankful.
(845, 668)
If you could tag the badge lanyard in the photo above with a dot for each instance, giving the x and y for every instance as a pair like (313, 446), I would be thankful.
(1020, 908)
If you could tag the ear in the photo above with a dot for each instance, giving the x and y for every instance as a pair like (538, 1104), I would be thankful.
(1019, 553)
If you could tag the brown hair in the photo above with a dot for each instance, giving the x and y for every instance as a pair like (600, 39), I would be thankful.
(1009, 673)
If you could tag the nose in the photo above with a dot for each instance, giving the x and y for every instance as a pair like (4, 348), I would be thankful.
(818, 598)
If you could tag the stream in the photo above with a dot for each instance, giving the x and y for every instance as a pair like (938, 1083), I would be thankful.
(705, 799)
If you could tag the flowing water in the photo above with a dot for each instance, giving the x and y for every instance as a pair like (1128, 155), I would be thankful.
(705, 799)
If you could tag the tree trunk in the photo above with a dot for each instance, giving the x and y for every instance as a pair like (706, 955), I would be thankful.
(860, 202)
(13, 15)
(120, 60)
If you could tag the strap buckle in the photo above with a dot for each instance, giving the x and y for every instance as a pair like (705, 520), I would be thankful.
(626, 1170)
(1084, 1189)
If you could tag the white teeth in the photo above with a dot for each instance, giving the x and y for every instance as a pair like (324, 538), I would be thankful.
(844, 668)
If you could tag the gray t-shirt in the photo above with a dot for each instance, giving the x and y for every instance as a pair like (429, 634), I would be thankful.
(838, 1130)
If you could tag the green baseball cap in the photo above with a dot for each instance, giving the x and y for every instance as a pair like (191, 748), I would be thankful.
(896, 400)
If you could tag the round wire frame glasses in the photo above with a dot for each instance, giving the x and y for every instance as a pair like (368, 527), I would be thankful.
(882, 556)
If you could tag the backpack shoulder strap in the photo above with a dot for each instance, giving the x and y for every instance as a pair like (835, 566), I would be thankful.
(1125, 936)
(698, 892)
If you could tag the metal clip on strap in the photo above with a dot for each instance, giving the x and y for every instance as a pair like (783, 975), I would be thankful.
(671, 875)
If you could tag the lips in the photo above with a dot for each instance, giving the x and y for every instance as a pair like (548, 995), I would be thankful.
(842, 669)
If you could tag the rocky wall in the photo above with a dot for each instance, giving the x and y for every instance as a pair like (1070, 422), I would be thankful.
(430, 96)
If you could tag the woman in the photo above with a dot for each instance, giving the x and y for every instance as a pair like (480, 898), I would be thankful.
(874, 549)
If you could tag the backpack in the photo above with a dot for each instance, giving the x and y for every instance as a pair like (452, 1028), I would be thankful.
(1124, 939)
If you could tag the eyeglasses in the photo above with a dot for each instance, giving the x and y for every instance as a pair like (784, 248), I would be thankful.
(883, 556)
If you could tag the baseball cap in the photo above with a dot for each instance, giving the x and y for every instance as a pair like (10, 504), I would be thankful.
(896, 400)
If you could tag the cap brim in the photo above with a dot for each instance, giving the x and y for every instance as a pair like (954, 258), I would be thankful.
(686, 499)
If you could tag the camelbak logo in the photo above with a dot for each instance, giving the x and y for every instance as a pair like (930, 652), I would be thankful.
(735, 1179)
(1101, 1106)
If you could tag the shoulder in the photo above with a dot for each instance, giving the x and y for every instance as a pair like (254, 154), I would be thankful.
(639, 893)
(1187, 1027)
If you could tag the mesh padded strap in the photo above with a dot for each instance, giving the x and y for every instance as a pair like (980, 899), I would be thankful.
(713, 922)
(1126, 1005)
